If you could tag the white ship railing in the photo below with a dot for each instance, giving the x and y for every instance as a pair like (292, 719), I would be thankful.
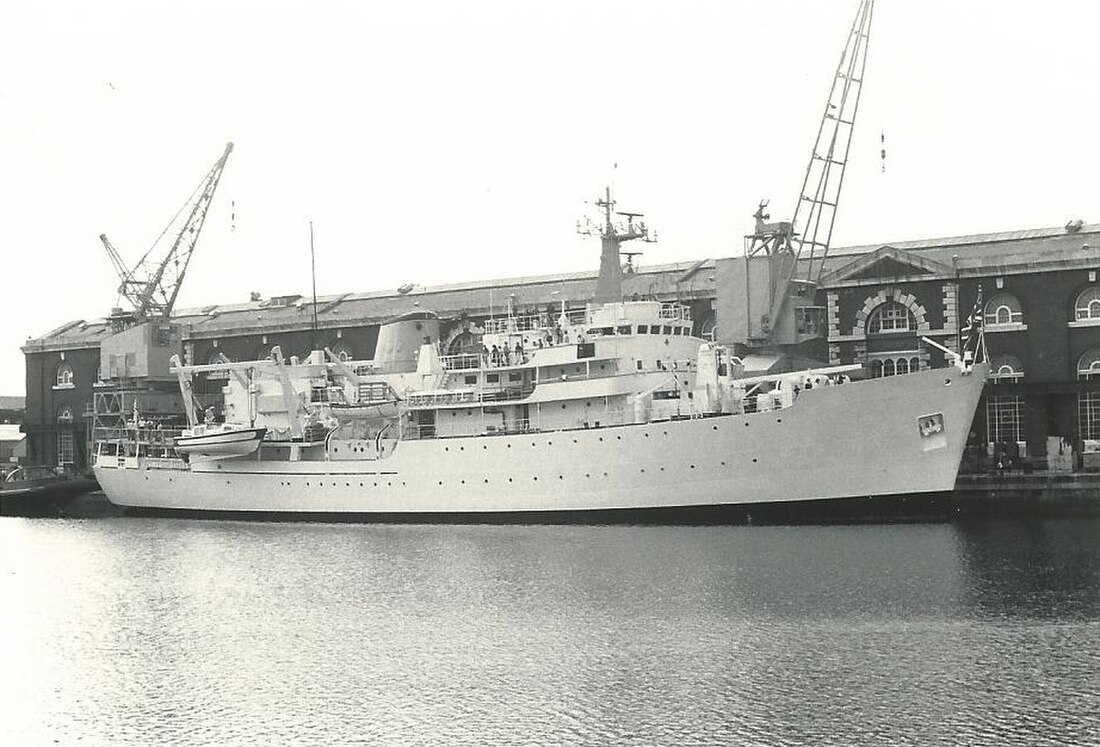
(675, 312)
(461, 361)
(510, 324)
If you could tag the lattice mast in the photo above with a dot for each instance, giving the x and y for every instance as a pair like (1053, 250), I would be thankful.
(153, 284)
(612, 233)
(807, 237)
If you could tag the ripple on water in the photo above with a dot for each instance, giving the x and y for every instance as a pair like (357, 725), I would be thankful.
(128, 631)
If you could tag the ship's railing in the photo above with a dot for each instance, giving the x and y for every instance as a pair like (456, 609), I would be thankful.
(675, 311)
(155, 442)
(442, 397)
(472, 397)
(510, 324)
(375, 391)
(461, 361)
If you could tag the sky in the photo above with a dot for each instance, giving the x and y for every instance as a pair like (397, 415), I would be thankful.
(436, 142)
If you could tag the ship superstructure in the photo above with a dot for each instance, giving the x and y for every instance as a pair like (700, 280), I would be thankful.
(614, 409)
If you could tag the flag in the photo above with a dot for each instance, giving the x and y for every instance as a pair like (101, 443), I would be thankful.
(972, 334)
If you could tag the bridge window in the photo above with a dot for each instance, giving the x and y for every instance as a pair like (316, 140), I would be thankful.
(643, 329)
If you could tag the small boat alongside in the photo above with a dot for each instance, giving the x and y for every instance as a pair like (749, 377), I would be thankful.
(41, 491)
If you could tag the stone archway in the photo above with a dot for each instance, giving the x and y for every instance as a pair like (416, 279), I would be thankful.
(886, 295)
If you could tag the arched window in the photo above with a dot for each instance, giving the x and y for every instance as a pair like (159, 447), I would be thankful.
(1088, 304)
(876, 369)
(1006, 368)
(903, 366)
(708, 330)
(914, 364)
(1002, 309)
(267, 351)
(1088, 365)
(891, 317)
(64, 375)
(464, 342)
(888, 367)
(342, 351)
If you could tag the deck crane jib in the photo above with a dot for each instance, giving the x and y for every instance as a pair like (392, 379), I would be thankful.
(797, 249)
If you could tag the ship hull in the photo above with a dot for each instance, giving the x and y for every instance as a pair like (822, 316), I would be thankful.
(841, 443)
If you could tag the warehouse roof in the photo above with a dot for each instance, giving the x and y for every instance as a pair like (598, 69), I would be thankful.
(681, 279)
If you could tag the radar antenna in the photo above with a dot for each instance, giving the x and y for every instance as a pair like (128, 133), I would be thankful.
(612, 233)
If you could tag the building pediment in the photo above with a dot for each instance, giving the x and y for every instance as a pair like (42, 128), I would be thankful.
(887, 264)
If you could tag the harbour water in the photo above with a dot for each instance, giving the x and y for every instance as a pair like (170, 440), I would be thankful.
(126, 631)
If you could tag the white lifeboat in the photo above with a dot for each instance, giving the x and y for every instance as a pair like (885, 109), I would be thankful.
(220, 440)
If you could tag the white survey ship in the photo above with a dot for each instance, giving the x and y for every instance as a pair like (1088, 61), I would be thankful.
(616, 412)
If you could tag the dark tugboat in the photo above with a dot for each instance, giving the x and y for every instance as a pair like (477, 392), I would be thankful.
(41, 491)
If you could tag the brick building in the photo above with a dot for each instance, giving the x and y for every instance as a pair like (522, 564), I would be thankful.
(1040, 294)
(1040, 299)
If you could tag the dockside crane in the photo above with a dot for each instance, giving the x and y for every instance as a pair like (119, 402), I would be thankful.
(798, 248)
(152, 285)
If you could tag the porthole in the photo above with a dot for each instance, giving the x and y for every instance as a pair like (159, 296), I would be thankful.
(754, 460)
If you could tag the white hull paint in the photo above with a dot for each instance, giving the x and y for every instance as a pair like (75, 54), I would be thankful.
(853, 440)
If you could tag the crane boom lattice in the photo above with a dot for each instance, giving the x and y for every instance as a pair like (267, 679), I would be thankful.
(153, 284)
(815, 212)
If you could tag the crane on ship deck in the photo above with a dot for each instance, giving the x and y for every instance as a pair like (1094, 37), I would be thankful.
(797, 249)
(152, 285)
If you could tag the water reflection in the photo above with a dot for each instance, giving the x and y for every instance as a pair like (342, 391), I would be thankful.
(138, 631)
